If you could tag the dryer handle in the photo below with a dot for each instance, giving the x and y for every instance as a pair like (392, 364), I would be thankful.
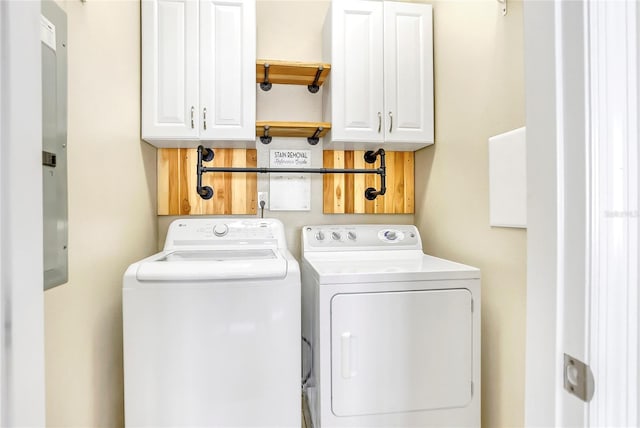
(348, 355)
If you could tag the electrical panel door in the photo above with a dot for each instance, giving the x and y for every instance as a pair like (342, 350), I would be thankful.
(53, 31)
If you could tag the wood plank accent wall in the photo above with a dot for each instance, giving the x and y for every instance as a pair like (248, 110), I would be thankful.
(236, 193)
(177, 183)
(344, 193)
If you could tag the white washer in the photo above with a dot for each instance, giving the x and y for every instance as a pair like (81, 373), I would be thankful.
(395, 333)
(212, 328)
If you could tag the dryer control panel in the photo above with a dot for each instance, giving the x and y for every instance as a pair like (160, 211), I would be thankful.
(360, 237)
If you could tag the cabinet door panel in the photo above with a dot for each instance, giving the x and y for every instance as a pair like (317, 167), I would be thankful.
(408, 67)
(169, 68)
(227, 69)
(356, 71)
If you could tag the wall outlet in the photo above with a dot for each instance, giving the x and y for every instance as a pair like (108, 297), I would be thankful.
(263, 196)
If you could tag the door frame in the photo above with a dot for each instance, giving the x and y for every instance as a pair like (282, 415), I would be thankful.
(542, 214)
(575, 103)
(22, 396)
(614, 127)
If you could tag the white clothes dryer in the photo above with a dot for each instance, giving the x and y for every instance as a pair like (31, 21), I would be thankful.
(395, 333)
(212, 328)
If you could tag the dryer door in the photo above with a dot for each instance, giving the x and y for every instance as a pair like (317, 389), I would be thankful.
(401, 351)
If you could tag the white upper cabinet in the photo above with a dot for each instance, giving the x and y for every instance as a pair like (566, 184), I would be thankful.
(408, 72)
(228, 69)
(381, 84)
(169, 69)
(198, 72)
(356, 80)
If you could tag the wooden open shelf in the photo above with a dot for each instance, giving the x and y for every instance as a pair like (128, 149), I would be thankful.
(292, 129)
(291, 72)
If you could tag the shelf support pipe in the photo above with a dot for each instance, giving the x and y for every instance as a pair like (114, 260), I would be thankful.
(370, 156)
(315, 138)
(265, 85)
(266, 138)
(314, 87)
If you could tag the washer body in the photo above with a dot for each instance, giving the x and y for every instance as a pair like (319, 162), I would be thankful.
(395, 333)
(212, 328)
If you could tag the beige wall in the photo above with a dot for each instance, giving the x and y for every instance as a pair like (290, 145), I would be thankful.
(112, 218)
(479, 90)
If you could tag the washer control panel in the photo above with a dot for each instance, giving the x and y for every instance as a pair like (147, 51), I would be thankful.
(225, 231)
(220, 229)
(362, 237)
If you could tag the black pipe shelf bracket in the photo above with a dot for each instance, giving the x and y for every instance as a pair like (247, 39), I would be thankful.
(265, 138)
(314, 87)
(206, 155)
(315, 138)
(265, 85)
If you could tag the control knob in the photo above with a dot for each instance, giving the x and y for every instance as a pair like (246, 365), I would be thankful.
(391, 235)
(335, 236)
(220, 229)
(351, 236)
(319, 236)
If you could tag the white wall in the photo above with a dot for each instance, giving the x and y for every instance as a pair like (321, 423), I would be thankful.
(112, 221)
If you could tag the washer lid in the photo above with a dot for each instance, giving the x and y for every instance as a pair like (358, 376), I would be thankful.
(218, 255)
(202, 265)
(385, 266)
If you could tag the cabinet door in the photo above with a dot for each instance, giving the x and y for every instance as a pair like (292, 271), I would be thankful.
(169, 69)
(408, 72)
(356, 71)
(227, 69)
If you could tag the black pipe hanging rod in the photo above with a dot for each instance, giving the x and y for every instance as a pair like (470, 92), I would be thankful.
(370, 156)
(263, 170)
